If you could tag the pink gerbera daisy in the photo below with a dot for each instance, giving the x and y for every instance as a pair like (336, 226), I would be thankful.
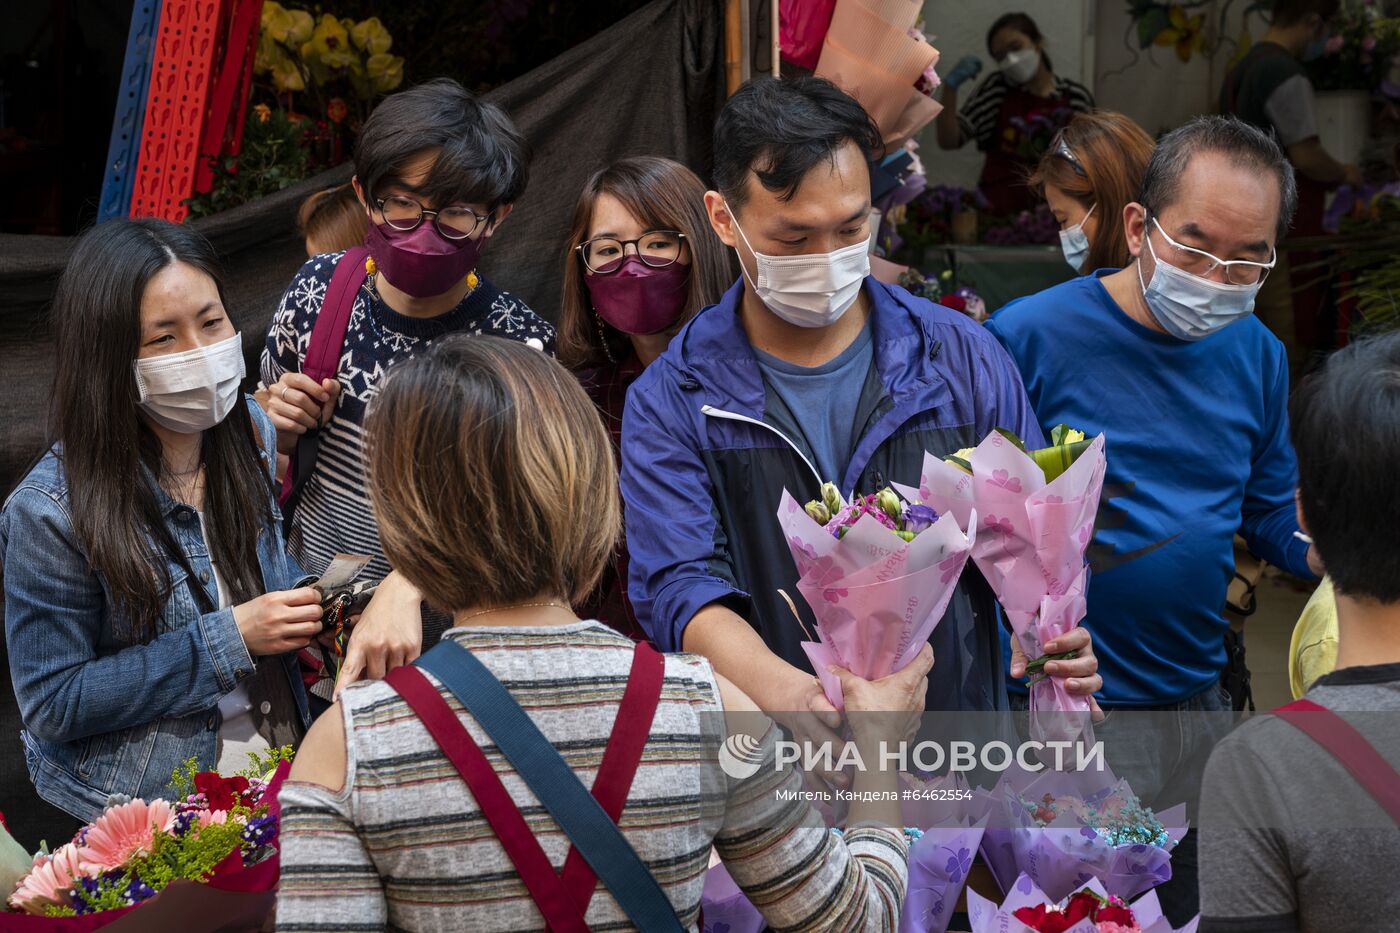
(49, 881)
(124, 832)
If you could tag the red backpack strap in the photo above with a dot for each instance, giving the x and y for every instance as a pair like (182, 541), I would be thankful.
(1350, 748)
(621, 759)
(492, 798)
(323, 362)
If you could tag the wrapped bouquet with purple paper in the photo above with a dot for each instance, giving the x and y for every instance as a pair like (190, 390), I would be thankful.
(944, 835)
(1064, 829)
(1091, 909)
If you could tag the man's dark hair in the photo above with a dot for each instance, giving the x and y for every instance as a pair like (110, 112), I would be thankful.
(1346, 428)
(779, 128)
(1291, 12)
(1245, 146)
(482, 158)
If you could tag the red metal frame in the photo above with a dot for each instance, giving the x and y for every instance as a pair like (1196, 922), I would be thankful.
(199, 84)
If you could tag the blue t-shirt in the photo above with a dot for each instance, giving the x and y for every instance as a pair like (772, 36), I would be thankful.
(1198, 448)
(824, 399)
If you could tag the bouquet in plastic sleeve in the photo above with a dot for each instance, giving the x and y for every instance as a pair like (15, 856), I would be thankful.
(875, 52)
(944, 841)
(1063, 828)
(725, 907)
(1037, 511)
(878, 574)
(206, 861)
(1089, 910)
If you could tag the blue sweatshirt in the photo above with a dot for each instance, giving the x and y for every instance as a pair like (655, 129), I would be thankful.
(1198, 448)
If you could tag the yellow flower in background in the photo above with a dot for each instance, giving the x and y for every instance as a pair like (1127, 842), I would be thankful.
(286, 76)
(1185, 32)
(302, 26)
(329, 44)
(263, 111)
(276, 21)
(371, 36)
(385, 71)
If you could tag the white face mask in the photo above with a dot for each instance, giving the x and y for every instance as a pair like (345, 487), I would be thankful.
(191, 391)
(1189, 307)
(1074, 242)
(811, 290)
(1021, 65)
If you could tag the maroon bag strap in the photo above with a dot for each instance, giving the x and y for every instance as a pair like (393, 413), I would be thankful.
(1349, 747)
(562, 902)
(323, 362)
(328, 333)
(492, 798)
(621, 758)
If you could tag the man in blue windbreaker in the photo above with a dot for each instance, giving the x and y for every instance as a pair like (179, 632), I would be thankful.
(807, 370)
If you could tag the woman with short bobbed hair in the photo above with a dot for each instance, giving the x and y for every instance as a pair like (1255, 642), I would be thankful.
(495, 489)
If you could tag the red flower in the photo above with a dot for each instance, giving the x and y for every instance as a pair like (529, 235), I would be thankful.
(221, 792)
(337, 109)
(3, 825)
(1116, 913)
(1084, 904)
(956, 302)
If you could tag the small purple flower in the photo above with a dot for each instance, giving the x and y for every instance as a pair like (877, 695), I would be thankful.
(137, 891)
(918, 518)
(183, 822)
(260, 831)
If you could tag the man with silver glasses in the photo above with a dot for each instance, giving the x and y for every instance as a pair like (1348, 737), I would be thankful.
(1166, 358)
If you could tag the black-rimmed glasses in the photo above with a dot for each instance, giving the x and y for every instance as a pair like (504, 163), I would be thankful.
(1060, 147)
(603, 255)
(455, 223)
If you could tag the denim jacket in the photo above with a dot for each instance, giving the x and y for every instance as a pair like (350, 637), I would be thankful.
(102, 716)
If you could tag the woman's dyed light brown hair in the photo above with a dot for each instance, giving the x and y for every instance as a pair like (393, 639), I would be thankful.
(491, 475)
(663, 195)
(1114, 151)
(333, 219)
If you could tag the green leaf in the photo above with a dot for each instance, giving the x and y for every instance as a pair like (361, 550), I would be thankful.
(1153, 21)
(1020, 444)
(1054, 461)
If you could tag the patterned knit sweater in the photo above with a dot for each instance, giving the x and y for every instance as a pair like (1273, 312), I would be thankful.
(334, 514)
(403, 846)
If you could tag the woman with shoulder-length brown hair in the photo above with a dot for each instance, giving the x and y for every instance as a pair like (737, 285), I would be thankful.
(495, 490)
(641, 260)
(1091, 171)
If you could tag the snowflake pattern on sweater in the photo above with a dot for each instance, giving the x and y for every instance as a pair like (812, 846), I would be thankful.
(334, 514)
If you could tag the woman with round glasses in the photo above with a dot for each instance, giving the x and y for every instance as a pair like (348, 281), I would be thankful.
(1092, 170)
(642, 259)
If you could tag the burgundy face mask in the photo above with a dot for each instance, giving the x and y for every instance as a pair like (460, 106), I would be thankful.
(638, 299)
(421, 262)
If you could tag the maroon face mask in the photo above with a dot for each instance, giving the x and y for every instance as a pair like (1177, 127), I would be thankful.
(638, 299)
(421, 262)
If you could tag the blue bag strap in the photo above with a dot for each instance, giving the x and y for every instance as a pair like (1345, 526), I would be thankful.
(544, 770)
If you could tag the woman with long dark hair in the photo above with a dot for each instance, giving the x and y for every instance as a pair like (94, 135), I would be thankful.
(148, 609)
(642, 259)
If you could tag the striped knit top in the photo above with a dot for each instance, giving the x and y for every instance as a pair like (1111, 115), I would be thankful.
(403, 845)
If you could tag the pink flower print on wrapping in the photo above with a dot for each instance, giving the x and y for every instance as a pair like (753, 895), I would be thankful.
(825, 571)
(1001, 526)
(792, 506)
(801, 547)
(1054, 500)
(835, 595)
(1004, 480)
(951, 567)
(924, 492)
(1085, 533)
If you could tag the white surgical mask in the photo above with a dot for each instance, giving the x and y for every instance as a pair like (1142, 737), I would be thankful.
(1021, 65)
(1189, 307)
(812, 290)
(191, 391)
(1074, 242)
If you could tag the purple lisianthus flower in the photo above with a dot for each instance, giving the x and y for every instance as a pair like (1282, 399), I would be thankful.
(918, 517)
